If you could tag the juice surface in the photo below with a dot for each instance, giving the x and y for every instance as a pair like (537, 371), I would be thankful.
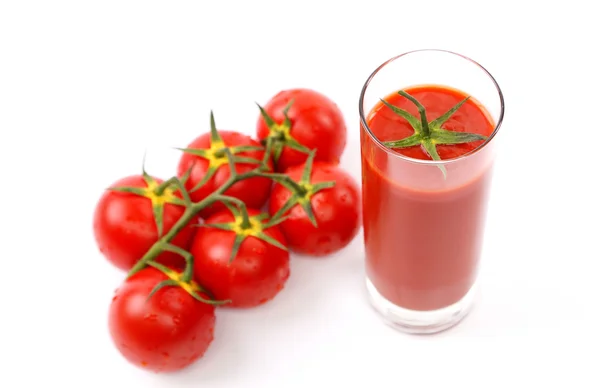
(437, 100)
(423, 247)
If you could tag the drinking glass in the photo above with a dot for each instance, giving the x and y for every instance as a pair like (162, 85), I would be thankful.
(423, 228)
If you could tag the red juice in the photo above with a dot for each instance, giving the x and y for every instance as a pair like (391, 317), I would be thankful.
(423, 230)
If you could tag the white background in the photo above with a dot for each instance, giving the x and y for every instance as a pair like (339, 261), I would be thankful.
(87, 86)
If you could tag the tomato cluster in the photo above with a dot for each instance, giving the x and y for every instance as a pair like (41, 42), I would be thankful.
(219, 232)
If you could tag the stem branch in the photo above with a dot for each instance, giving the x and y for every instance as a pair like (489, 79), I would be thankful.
(186, 217)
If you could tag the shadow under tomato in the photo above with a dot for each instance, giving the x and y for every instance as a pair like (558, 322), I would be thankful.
(317, 290)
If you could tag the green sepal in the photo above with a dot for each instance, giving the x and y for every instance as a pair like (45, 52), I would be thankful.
(157, 207)
(307, 206)
(442, 136)
(308, 165)
(412, 120)
(158, 211)
(322, 186)
(286, 121)
(287, 206)
(261, 217)
(184, 178)
(214, 133)
(302, 191)
(279, 134)
(437, 123)
(222, 226)
(246, 148)
(432, 151)
(270, 240)
(202, 152)
(277, 149)
(430, 134)
(410, 141)
(210, 172)
(268, 119)
(247, 160)
(159, 286)
(283, 180)
(276, 221)
(129, 190)
(237, 243)
(295, 145)
(421, 109)
(233, 226)
(230, 152)
(174, 283)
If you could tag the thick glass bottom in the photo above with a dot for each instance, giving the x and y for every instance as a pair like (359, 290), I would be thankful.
(420, 322)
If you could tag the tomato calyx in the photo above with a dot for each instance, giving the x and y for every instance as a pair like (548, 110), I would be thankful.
(280, 134)
(183, 280)
(216, 154)
(158, 194)
(302, 191)
(245, 225)
(429, 134)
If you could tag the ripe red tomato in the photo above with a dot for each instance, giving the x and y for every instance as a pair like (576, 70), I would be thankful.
(125, 227)
(336, 210)
(257, 273)
(253, 191)
(316, 123)
(163, 333)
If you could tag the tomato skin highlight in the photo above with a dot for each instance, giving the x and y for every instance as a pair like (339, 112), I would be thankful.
(317, 123)
(125, 229)
(253, 191)
(337, 211)
(256, 275)
(164, 333)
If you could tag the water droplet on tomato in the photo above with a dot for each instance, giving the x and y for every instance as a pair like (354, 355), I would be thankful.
(151, 317)
(283, 273)
(176, 320)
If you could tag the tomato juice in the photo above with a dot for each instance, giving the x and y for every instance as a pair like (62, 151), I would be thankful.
(423, 230)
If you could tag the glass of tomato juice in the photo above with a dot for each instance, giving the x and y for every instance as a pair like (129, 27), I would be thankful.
(428, 123)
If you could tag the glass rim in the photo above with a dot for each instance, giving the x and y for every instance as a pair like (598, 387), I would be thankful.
(388, 150)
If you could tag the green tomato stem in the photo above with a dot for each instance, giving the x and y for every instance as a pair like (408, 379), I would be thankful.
(186, 217)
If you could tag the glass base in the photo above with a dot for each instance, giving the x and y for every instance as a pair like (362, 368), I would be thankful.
(420, 322)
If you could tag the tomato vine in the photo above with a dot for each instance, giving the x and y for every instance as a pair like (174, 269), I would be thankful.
(243, 226)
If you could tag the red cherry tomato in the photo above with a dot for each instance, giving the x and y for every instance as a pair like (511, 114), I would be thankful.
(316, 123)
(257, 273)
(253, 191)
(163, 333)
(336, 210)
(125, 227)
